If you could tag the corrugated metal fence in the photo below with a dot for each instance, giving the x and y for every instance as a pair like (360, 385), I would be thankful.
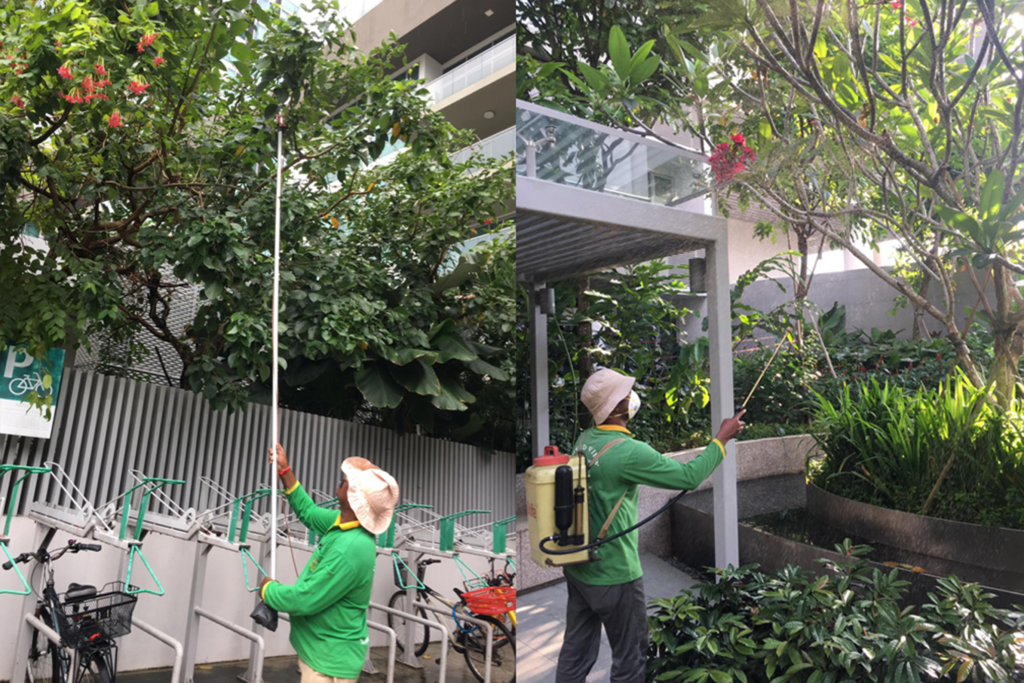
(105, 426)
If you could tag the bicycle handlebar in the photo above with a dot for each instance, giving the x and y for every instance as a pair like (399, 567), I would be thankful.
(72, 546)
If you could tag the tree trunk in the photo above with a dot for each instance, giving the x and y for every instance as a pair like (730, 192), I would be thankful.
(1008, 346)
(920, 330)
(586, 336)
(801, 287)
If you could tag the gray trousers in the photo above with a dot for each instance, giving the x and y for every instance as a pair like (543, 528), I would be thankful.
(622, 609)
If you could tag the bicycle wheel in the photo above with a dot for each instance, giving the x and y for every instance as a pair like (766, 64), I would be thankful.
(503, 652)
(422, 634)
(96, 668)
(47, 663)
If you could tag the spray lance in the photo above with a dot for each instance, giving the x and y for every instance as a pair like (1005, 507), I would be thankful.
(567, 492)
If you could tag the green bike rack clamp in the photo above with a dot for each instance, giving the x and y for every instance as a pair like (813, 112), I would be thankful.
(387, 539)
(396, 560)
(476, 582)
(238, 512)
(244, 552)
(29, 471)
(501, 534)
(136, 549)
(148, 483)
(447, 542)
(27, 589)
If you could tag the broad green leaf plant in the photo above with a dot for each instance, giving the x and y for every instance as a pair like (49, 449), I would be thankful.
(138, 140)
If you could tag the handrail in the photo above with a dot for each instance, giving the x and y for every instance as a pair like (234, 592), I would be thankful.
(179, 651)
(445, 634)
(242, 631)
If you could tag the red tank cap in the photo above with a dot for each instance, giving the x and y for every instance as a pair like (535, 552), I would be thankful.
(551, 457)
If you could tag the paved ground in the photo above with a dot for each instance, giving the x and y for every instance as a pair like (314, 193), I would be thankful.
(541, 616)
(285, 670)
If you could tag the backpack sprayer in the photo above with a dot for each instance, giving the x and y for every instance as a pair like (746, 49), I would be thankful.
(557, 501)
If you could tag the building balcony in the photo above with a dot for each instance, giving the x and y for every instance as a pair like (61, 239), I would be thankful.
(571, 151)
(479, 94)
(474, 70)
(495, 147)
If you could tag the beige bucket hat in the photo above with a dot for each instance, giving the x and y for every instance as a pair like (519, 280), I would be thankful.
(372, 493)
(602, 392)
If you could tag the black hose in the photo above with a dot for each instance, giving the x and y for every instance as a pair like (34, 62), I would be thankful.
(601, 542)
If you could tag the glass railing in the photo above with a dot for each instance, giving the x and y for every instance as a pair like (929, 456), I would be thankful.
(497, 146)
(572, 151)
(475, 69)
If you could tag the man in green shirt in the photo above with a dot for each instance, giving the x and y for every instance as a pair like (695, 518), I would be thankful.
(610, 591)
(328, 603)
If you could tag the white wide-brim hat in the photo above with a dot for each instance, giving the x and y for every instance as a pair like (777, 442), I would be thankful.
(372, 493)
(602, 392)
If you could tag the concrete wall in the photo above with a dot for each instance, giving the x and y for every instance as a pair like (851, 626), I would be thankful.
(172, 560)
(755, 459)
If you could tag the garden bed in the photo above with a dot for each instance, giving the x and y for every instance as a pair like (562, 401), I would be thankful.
(802, 540)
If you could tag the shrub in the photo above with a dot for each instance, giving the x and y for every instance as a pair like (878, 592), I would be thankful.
(752, 627)
(888, 446)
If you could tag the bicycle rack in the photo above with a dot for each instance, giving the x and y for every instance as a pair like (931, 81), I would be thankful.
(149, 486)
(228, 525)
(5, 536)
(81, 519)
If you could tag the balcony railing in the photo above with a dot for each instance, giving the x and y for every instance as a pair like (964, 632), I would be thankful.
(498, 145)
(475, 69)
(565, 149)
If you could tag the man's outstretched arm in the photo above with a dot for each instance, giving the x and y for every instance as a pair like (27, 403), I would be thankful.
(316, 518)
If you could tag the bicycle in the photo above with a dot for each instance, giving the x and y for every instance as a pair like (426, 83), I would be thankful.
(467, 639)
(23, 385)
(87, 620)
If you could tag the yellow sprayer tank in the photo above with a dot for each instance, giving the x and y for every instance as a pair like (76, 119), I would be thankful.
(540, 508)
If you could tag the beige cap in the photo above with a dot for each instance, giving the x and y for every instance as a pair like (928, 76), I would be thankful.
(372, 493)
(602, 392)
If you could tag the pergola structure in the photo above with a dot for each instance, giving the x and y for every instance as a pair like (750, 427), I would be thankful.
(590, 198)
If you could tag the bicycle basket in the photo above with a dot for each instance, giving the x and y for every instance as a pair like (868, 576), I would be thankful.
(491, 601)
(105, 616)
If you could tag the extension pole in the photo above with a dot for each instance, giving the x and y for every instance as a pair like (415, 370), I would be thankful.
(274, 427)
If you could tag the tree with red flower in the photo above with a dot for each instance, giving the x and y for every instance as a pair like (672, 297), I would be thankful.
(728, 160)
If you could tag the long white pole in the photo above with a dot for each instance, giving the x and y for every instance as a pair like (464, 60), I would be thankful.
(274, 431)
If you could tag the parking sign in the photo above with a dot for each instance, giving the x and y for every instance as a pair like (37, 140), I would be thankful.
(20, 375)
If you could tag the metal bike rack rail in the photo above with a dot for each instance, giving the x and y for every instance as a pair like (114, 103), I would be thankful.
(392, 647)
(179, 651)
(445, 635)
(240, 630)
(488, 651)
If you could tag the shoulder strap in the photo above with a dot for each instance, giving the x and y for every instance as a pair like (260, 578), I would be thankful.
(603, 450)
(615, 510)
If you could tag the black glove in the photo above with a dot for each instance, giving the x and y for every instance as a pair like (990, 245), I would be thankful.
(265, 616)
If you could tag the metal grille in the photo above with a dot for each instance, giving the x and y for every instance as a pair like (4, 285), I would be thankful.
(106, 426)
(162, 365)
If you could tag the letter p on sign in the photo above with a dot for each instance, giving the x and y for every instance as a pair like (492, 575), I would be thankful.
(15, 361)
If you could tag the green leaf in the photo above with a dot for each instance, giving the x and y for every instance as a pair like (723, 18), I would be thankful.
(407, 355)
(644, 70)
(378, 387)
(618, 50)
(595, 79)
(152, 9)
(213, 290)
(243, 52)
(992, 195)
(417, 377)
(820, 47)
(700, 84)
(455, 348)
(482, 367)
(453, 396)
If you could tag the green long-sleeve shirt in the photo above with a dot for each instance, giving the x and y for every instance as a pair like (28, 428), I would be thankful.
(328, 603)
(619, 471)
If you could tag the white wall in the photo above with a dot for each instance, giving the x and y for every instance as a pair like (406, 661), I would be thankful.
(172, 560)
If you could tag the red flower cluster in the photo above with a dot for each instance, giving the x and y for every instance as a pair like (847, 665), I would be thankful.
(138, 87)
(65, 72)
(18, 102)
(115, 120)
(145, 42)
(100, 70)
(896, 4)
(90, 87)
(728, 160)
(159, 61)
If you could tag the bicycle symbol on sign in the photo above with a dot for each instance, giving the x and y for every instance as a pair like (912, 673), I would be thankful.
(23, 385)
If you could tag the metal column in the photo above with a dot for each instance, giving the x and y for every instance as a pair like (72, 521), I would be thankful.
(28, 607)
(727, 550)
(539, 405)
(202, 556)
